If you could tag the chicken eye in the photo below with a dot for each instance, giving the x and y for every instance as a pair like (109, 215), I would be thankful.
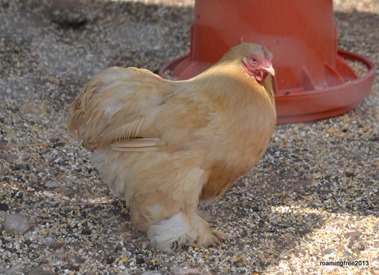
(253, 59)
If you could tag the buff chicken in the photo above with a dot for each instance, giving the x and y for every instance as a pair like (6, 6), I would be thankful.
(165, 146)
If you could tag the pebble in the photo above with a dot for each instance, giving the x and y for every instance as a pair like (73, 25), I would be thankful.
(86, 231)
(3, 206)
(19, 167)
(8, 157)
(140, 259)
(184, 271)
(52, 184)
(17, 223)
(349, 173)
(37, 271)
(52, 243)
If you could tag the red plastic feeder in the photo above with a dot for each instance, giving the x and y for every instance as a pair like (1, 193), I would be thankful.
(313, 80)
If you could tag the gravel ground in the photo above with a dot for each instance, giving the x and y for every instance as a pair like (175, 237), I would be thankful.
(313, 198)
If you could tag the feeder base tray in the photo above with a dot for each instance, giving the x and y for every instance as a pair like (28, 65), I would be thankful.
(300, 106)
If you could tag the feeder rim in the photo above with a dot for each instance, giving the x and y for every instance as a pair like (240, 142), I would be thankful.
(342, 53)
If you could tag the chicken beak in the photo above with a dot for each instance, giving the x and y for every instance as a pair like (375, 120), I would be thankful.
(269, 69)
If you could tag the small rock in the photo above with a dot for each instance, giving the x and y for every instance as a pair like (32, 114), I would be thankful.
(255, 208)
(261, 223)
(71, 266)
(122, 228)
(184, 270)
(347, 254)
(328, 251)
(28, 242)
(17, 223)
(349, 173)
(80, 260)
(52, 243)
(19, 166)
(86, 231)
(69, 192)
(48, 194)
(3, 206)
(140, 259)
(36, 271)
(59, 144)
(8, 157)
(54, 139)
(33, 109)
(110, 259)
(145, 245)
(3, 142)
(17, 195)
(356, 246)
(52, 184)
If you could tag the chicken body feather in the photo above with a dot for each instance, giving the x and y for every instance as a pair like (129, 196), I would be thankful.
(167, 145)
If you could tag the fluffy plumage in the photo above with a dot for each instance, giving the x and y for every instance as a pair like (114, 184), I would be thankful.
(166, 145)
